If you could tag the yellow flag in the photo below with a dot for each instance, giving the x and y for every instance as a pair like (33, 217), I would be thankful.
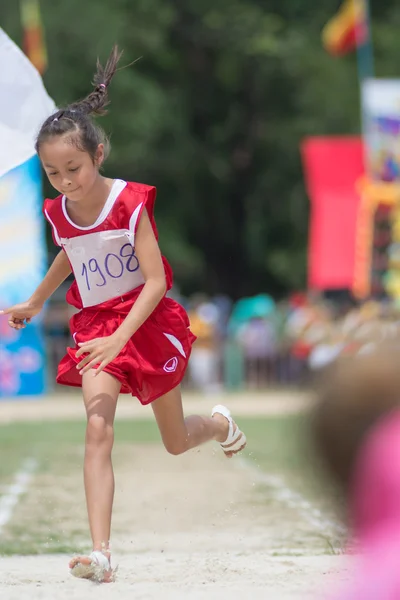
(34, 44)
(347, 29)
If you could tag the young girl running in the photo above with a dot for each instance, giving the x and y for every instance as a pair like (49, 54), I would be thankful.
(129, 337)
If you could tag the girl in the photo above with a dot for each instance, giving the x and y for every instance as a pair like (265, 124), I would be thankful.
(129, 337)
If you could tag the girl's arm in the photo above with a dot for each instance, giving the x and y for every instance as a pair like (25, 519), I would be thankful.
(57, 273)
(151, 264)
(55, 276)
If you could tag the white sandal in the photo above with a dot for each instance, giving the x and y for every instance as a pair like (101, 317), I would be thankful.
(236, 440)
(96, 570)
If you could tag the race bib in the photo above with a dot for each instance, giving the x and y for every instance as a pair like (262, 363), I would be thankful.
(104, 265)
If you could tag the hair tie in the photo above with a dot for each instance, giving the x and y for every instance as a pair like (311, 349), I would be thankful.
(103, 85)
(55, 119)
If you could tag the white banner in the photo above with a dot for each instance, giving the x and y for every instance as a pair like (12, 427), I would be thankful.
(24, 105)
(381, 105)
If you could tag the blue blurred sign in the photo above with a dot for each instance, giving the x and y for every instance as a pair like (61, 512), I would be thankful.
(22, 267)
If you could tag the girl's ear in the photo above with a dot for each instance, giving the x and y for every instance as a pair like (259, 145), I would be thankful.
(100, 155)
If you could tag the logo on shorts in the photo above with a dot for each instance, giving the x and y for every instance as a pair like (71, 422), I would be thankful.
(171, 365)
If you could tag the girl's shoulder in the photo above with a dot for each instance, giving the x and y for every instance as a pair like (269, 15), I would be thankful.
(132, 202)
(52, 204)
(136, 193)
(137, 196)
(140, 188)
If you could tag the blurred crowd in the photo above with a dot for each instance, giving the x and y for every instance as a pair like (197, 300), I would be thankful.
(257, 343)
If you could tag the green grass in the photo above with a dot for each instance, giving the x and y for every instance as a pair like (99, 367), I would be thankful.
(58, 449)
(276, 445)
(282, 446)
(49, 441)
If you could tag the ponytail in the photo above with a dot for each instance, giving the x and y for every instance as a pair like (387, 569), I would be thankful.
(75, 121)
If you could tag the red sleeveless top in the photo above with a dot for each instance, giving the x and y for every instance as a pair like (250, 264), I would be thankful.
(102, 255)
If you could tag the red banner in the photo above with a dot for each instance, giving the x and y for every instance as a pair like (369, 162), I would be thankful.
(333, 166)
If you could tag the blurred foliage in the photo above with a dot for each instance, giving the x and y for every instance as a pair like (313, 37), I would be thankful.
(213, 115)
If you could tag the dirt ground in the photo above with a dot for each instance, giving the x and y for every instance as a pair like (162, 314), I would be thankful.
(69, 405)
(191, 527)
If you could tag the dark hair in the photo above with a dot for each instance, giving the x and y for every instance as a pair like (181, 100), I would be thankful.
(355, 395)
(75, 120)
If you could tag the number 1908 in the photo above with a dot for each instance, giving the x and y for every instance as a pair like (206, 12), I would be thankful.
(113, 265)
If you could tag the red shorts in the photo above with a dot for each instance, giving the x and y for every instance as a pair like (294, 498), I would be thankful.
(154, 360)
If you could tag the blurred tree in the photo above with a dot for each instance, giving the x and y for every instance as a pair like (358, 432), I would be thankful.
(213, 116)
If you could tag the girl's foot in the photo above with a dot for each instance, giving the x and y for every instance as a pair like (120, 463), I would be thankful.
(234, 440)
(96, 567)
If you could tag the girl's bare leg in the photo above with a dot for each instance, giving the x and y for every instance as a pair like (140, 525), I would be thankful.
(100, 395)
(180, 434)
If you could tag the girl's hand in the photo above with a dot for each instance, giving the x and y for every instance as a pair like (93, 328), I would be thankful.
(100, 351)
(21, 314)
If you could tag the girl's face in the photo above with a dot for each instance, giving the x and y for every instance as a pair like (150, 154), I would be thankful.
(70, 171)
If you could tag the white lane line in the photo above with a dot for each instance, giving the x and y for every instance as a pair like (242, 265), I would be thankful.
(284, 493)
(12, 494)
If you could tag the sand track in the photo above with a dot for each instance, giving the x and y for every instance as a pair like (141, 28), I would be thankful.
(190, 527)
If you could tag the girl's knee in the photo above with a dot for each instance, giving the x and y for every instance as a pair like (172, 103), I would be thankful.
(99, 432)
(176, 446)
